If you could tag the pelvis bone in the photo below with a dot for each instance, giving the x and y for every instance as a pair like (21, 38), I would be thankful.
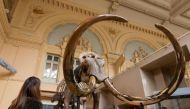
(163, 94)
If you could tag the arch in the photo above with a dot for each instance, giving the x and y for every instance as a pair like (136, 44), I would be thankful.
(129, 36)
(62, 30)
(51, 22)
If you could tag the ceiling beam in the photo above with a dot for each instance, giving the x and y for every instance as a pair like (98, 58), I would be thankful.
(160, 13)
(145, 8)
(179, 8)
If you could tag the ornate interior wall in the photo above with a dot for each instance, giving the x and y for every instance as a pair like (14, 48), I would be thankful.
(24, 41)
(1, 41)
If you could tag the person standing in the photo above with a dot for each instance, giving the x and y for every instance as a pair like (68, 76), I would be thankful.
(29, 96)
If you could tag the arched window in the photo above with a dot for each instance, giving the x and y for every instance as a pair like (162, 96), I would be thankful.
(59, 32)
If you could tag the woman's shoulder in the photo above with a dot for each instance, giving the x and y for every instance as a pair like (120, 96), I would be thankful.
(31, 103)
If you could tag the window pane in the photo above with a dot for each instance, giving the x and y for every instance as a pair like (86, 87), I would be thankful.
(47, 70)
(54, 71)
(56, 59)
(49, 57)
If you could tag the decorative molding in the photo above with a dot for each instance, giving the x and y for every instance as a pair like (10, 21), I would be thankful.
(90, 13)
(25, 43)
(140, 29)
(161, 43)
(40, 10)
(114, 6)
(112, 31)
(179, 8)
(161, 3)
(155, 10)
(35, 14)
(10, 6)
(138, 55)
(66, 6)
(186, 13)
(4, 25)
(82, 45)
(2, 35)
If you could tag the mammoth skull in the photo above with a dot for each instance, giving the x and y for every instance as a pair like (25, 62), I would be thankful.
(89, 72)
(74, 86)
(93, 64)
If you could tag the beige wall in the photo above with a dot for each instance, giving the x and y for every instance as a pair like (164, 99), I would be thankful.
(2, 36)
(159, 79)
(106, 100)
(1, 41)
(148, 82)
(129, 82)
(10, 91)
(24, 60)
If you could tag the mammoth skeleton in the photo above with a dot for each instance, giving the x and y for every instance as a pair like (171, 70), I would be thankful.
(86, 75)
(76, 88)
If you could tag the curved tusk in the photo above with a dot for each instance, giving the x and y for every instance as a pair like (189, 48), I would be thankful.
(165, 93)
(70, 50)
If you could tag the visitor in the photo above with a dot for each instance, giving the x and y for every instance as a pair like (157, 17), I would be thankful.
(29, 95)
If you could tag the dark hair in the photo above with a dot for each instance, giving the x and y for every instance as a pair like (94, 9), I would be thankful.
(30, 88)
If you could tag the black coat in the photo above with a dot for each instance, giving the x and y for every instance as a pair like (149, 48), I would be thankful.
(30, 103)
